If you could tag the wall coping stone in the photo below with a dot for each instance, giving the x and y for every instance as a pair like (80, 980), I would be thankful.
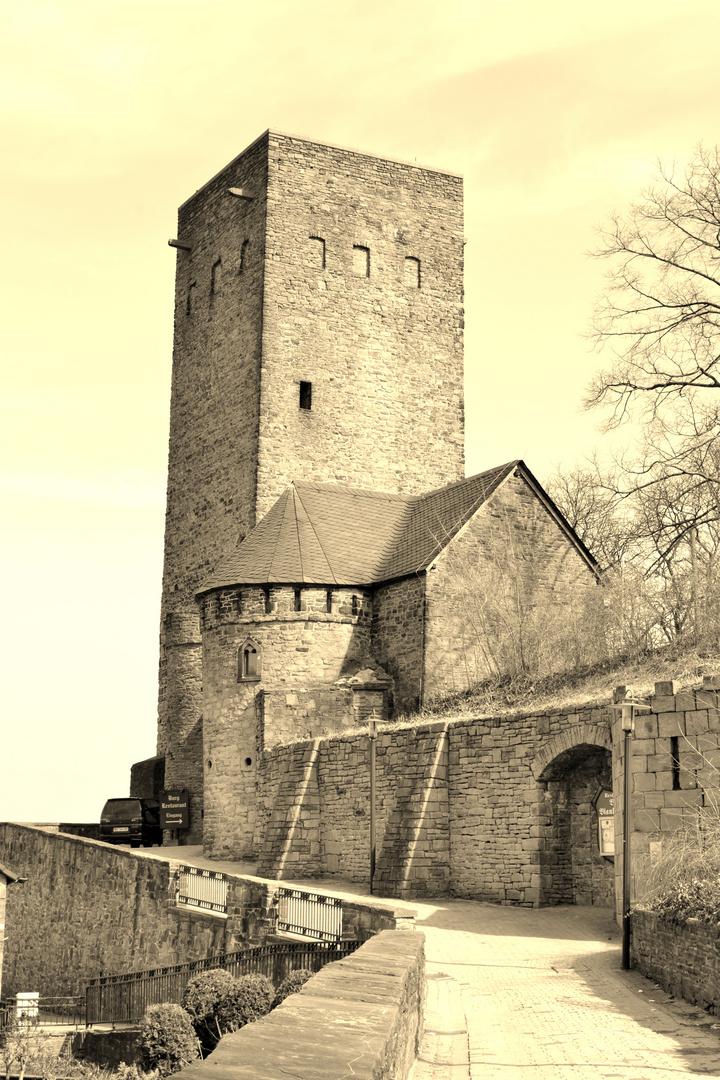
(361, 1016)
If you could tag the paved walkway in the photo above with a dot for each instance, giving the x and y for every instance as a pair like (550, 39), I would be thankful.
(528, 994)
(518, 994)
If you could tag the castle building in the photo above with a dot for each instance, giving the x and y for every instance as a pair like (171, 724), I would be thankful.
(319, 528)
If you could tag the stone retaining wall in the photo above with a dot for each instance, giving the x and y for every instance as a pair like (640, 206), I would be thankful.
(359, 1017)
(683, 957)
(459, 809)
(88, 909)
(491, 808)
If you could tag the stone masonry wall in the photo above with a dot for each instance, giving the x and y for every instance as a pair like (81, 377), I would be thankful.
(381, 347)
(336, 268)
(675, 758)
(310, 648)
(314, 811)
(497, 809)
(88, 909)
(459, 809)
(359, 1017)
(298, 715)
(397, 638)
(511, 539)
(214, 417)
(684, 958)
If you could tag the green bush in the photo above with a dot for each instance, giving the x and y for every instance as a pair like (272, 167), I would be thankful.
(203, 993)
(218, 1003)
(248, 999)
(695, 899)
(168, 1039)
(291, 984)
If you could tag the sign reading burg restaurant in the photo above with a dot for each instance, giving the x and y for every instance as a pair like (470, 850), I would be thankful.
(174, 810)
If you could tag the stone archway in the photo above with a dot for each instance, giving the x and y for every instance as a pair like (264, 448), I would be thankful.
(571, 769)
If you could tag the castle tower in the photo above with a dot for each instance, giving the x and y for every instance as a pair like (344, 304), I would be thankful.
(318, 336)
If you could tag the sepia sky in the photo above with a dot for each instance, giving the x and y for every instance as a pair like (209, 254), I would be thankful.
(112, 114)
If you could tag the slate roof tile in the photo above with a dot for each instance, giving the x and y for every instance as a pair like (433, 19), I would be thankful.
(333, 534)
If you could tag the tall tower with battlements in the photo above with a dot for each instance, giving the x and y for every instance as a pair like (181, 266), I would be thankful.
(318, 336)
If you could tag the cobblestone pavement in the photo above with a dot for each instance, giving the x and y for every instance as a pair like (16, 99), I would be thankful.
(535, 994)
(515, 993)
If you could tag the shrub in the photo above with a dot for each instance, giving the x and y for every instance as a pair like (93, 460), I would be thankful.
(203, 993)
(168, 1039)
(248, 999)
(218, 1003)
(291, 984)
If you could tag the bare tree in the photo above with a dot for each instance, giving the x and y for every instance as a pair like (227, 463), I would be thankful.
(591, 501)
(661, 311)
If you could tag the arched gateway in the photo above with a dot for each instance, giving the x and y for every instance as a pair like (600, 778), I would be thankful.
(572, 770)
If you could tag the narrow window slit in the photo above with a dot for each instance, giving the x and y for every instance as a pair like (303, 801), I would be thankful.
(215, 276)
(190, 302)
(361, 261)
(675, 762)
(411, 273)
(306, 395)
(317, 252)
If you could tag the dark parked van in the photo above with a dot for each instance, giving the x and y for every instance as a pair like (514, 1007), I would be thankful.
(131, 821)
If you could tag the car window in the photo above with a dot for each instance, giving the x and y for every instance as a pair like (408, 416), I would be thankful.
(122, 809)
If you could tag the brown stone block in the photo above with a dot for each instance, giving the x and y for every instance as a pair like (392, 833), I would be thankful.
(644, 746)
(645, 781)
(684, 798)
(659, 762)
(696, 723)
(646, 727)
(670, 820)
(655, 799)
(647, 820)
(661, 703)
(670, 724)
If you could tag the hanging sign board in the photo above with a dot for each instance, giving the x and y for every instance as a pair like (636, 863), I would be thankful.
(605, 806)
(174, 810)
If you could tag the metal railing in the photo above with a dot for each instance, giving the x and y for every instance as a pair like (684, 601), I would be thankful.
(309, 914)
(45, 1012)
(123, 998)
(203, 889)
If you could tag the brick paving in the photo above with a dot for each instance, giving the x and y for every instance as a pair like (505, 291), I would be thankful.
(536, 994)
(515, 993)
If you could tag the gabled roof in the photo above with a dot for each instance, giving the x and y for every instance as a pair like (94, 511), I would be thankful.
(332, 534)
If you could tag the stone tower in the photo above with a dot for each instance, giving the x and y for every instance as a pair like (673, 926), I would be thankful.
(318, 336)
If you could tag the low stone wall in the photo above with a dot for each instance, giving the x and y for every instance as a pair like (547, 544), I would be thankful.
(359, 1017)
(88, 909)
(684, 958)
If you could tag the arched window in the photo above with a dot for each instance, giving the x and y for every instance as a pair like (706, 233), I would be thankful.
(249, 662)
(317, 252)
(411, 275)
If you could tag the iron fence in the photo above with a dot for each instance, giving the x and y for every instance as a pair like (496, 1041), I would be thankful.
(123, 998)
(309, 914)
(44, 1012)
(204, 889)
